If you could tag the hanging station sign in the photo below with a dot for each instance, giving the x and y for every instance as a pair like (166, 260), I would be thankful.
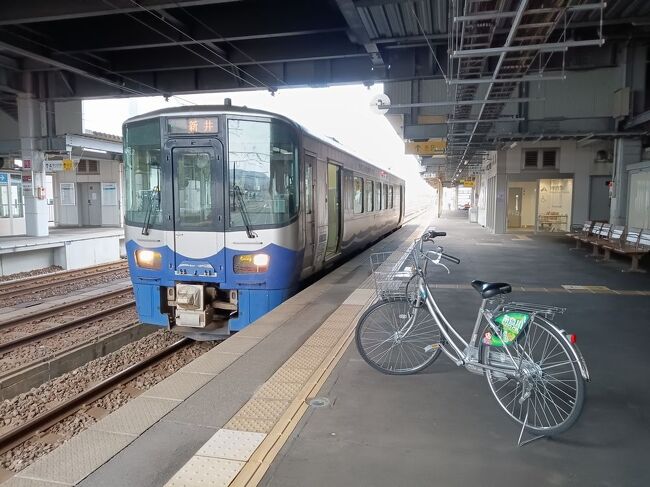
(430, 147)
(58, 165)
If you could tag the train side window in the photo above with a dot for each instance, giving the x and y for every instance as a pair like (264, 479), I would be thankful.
(378, 196)
(370, 194)
(358, 195)
(308, 184)
(385, 196)
(390, 195)
(348, 192)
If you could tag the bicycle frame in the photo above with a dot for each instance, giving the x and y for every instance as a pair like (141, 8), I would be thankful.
(467, 354)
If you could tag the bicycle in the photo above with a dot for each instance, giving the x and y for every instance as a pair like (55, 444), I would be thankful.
(533, 368)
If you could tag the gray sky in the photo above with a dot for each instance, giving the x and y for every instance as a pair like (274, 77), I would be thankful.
(342, 112)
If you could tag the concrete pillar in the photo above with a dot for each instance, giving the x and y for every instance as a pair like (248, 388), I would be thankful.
(626, 152)
(500, 209)
(30, 132)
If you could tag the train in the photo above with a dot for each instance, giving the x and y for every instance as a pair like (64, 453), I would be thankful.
(229, 209)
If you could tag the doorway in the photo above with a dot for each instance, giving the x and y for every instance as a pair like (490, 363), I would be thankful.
(333, 209)
(198, 205)
(91, 204)
(522, 201)
(310, 222)
(599, 198)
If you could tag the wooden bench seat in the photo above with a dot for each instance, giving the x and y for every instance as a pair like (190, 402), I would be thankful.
(635, 245)
(598, 238)
(585, 231)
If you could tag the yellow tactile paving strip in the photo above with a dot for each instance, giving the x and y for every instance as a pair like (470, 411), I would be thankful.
(275, 409)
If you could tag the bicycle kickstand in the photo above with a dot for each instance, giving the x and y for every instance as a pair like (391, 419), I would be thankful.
(521, 434)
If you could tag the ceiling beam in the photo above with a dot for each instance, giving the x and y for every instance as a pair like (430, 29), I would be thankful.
(44, 59)
(21, 12)
(358, 31)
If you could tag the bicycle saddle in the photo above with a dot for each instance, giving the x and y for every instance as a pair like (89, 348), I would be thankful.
(490, 289)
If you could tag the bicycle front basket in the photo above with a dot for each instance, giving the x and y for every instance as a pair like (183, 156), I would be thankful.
(392, 271)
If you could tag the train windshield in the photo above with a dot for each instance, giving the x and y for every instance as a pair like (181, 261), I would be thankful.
(143, 173)
(263, 166)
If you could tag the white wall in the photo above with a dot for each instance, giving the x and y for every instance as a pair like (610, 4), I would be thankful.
(573, 159)
(66, 215)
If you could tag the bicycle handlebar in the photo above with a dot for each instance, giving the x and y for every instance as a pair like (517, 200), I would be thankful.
(450, 258)
(431, 234)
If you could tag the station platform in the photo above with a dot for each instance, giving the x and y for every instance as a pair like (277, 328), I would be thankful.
(289, 402)
(70, 248)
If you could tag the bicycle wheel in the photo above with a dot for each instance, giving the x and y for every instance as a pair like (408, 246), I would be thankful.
(551, 400)
(382, 344)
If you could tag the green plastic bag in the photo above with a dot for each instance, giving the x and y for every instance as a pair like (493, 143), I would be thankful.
(511, 325)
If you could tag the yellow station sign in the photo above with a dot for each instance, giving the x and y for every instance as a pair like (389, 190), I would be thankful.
(430, 147)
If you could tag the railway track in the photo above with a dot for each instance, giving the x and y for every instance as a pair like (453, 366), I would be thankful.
(57, 310)
(15, 436)
(33, 337)
(30, 285)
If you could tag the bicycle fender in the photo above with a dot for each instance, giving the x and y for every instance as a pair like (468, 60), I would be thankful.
(575, 351)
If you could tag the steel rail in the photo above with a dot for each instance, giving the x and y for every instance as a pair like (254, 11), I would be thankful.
(25, 280)
(50, 312)
(13, 293)
(70, 406)
(77, 322)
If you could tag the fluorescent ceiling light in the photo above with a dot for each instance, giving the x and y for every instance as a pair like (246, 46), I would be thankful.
(98, 151)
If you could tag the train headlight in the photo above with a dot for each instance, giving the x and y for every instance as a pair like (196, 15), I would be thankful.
(251, 263)
(147, 259)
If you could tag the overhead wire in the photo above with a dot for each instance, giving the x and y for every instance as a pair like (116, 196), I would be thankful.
(187, 48)
(223, 39)
(104, 69)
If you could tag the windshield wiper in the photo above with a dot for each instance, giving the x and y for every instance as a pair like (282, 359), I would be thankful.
(155, 195)
(244, 212)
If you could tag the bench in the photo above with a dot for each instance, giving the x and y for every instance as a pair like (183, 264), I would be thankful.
(635, 245)
(584, 232)
(598, 238)
(590, 235)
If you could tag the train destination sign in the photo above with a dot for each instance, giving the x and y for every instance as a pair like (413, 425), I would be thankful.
(193, 125)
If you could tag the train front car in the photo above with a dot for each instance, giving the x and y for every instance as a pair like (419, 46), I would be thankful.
(211, 217)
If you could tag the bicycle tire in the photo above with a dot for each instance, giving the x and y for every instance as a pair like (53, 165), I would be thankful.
(383, 319)
(557, 396)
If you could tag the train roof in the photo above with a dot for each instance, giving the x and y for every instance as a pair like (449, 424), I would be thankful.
(218, 109)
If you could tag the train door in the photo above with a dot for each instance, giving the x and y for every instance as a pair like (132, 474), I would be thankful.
(321, 213)
(310, 221)
(198, 209)
(333, 209)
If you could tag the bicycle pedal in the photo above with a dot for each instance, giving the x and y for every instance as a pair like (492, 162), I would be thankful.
(431, 348)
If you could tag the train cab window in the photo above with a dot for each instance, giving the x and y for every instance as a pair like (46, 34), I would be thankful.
(358, 195)
(378, 196)
(370, 194)
(143, 173)
(263, 172)
(390, 195)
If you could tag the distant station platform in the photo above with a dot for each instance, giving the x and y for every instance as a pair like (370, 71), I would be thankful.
(70, 248)
(289, 402)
